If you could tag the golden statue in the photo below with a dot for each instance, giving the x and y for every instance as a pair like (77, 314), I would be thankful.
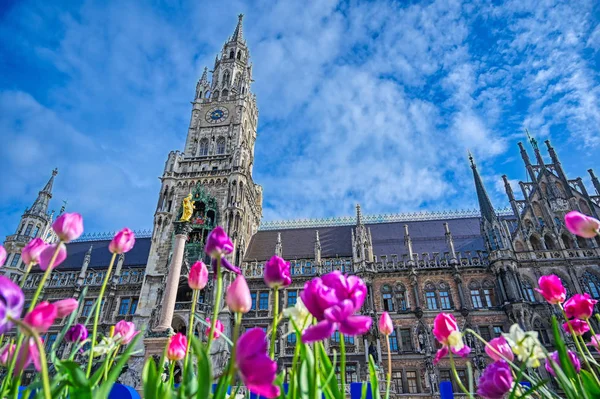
(188, 209)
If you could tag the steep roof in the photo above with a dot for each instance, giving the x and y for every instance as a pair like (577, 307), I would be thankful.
(100, 258)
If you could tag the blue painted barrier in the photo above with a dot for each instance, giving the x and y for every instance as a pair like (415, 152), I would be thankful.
(356, 390)
(446, 391)
(255, 396)
(214, 388)
(120, 391)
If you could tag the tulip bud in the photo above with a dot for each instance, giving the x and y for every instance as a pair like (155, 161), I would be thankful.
(126, 331)
(77, 333)
(582, 225)
(277, 273)
(499, 347)
(238, 297)
(48, 252)
(32, 251)
(65, 307)
(68, 226)
(218, 243)
(580, 306)
(6, 354)
(2, 255)
(122, 242)
(198, 276)
(41, 317)
(552, 289)
(219, 328)
(177, 347)
(385, 324)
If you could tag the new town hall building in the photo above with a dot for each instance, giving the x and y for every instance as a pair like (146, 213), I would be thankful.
(481, 266)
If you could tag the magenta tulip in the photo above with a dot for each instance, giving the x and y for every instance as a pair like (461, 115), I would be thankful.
(198, 276)
(177, 347)
(12, 300)
(333, 300)
(29, 353)
(277, 273)
(499, 349)
(580, 327)
(68, 226)
(126, 331)
(65, 307)
(445, 330)
(122, 242)
(48, 253)
(552, 289)
(238, 297)
(3, 255)
(33, 250)
(496, 381)
(595, 342)
(218, 243)
(41, 317)
(385, 324)
(582, 225)
(256, 368)
(556, 358)
(580, 306)
(224, 264)
(219, 328)
(77, 333)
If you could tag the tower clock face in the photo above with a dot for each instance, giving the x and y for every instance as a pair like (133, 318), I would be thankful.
(217, 114)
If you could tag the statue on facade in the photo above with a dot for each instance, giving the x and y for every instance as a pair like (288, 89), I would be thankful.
(188, 209)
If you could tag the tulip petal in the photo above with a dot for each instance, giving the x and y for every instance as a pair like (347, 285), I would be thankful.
(356, 325)
(320, 331)
(339, 313)
(443, 351)
(268, 391)
(251, 343)
(462, 352)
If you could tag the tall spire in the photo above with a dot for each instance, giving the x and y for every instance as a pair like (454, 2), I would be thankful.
(43, 199)
(238, 34)
(204, 78)
(358, 215)
(485, 205)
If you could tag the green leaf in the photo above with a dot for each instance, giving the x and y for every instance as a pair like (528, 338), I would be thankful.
(115, 371)
(327, 368)
(204, 370)
(590, 384)
(149, 379)
(373, 378)
(75, 373)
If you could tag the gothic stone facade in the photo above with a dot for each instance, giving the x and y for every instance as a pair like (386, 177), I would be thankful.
(480, 266)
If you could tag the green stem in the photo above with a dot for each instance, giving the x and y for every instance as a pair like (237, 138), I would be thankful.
(29, 266)
(458, 381)
(343, 362)
(236, 333)
(112, 360)
(97, 314)
(171, 376)
(189, 337)
(42, 351)
(581, 352)
(294, 361)
(217, 306)
(275, 320)
(389, 373)
(591, 327)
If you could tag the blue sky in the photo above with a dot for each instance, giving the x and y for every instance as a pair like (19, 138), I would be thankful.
(371, 102)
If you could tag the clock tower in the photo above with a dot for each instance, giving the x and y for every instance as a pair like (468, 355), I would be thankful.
(215, 167)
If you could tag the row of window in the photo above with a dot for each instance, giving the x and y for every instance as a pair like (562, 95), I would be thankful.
(436, 299)
(127, 306)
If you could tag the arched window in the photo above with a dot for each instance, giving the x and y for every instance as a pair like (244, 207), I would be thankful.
(583, 205)
(549, 242)
(216, 95)
(231, 54)
(221, 145)
(567, 240)
(542, 332)
(226, 78)
(519, 246)
(225, 94)
(528, 293)
(36, 231)
(239, 55)
(28, 229)
(203, 147)
(444, 296)
(581, 242)
(401, 297)
(207, 94)
(591, 284)
(536, 244)
(537, 209)
(431, 297)
(482, 296)
(387, 299)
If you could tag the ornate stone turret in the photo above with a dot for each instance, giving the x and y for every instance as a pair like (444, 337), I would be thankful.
(408, 244)
(317, 247)
(279, 246)
(86, 262)
(362, 245)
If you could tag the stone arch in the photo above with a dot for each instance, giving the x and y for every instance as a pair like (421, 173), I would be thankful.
(536, 243)
(549, 242)
(584, 207)
(519, 247)
(232, 54)
(567, 240)
(239, 54)
(179, 325)
(225, 93)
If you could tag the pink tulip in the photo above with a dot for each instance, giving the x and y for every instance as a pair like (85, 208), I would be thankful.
(556, 359)
(552, 289)
(277, 273)
(48, 252)
(385, 324)
(6, 354)
(28, 353)
(238, 297)
(499, 349)
(198, 276)
(32, 251)
(595, 342)
(68, 226)
(122, 242)
(580, 306)
(126, 331)
(219, 328)
(580, 327)
(41, 317)
(218, 243)
(582, 225)
(177, 347)
(3, 255)
(65, 307)
(445, 330)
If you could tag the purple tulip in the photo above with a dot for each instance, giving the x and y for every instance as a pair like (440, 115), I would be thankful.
(77, 333)
(495, 381)
(277, 273)
(218, 243)
(48, 252)
(333, 300)
(256, 368)
(554, 356)
(225, 264)
(3, 255)
(32, 251)
(12, 300)
(68, 226)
